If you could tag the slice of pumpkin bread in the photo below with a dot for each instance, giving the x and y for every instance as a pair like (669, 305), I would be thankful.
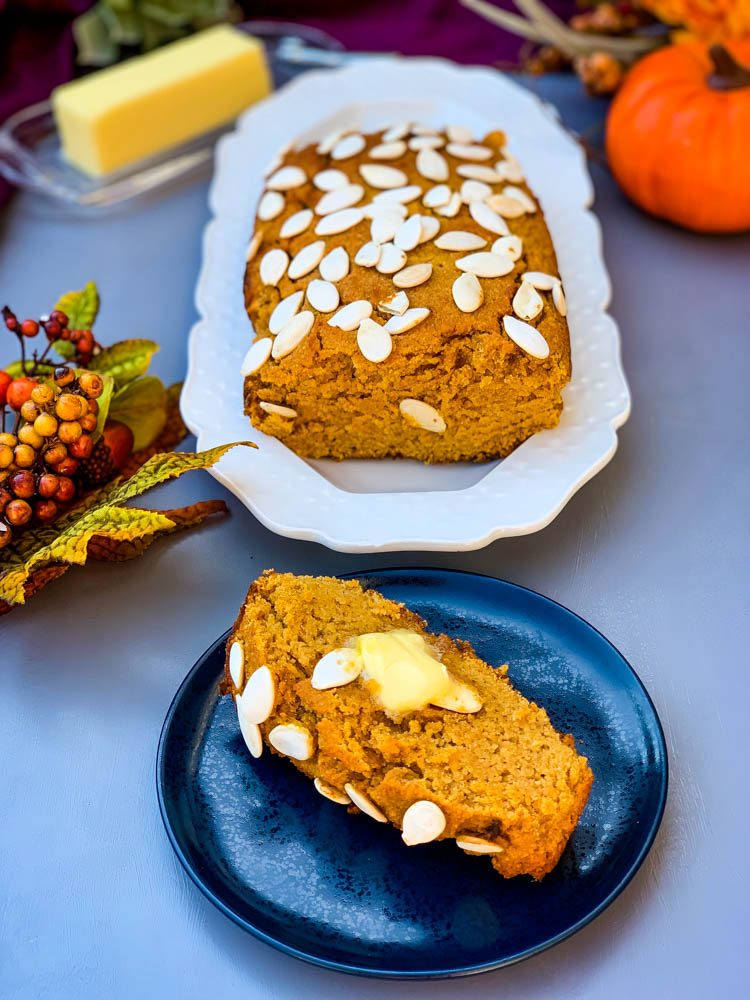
(329, 675)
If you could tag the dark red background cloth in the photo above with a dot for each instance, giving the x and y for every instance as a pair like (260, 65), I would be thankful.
(37, 52)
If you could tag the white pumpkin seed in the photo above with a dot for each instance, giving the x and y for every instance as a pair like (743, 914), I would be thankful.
(485, 217)
(281, 411)
(256, 357)
(306, 260)
(485, 265)
(388, 150)
(286, 178)
(415, 274)
(375, 208)
(379, 176)
(452, 207)
(509, 208)
(510, 168)
(540, 279)
(476, 845)
(347, 147)
(384, 226)
(273, 266)
(467, 151)
(396, 305)
(401, 194)
(527, 337)
(457, 239)
(252, 247)
(250, 731)
(361, 801)
(291, 334)
(518, 194)
(527, 302)
(284, 311)
(323, 295)
(296, 224)
(421, 414)
(343, 197)
(237, 658)
(430, 228)
(431, 165)
(477, 172)
(339, 222)
(422, 823)
(408, 233)
(462, 699)
(410, 319)
(326, 145)
(419, 128)
(368, 254)
(329, 792)
(330, 180)
(437, 196)
(467, 292)
(459, 133)
(270, 205)
(259, 695)
(397, 131)
(351, 315)
(475, 191)
(374, 341)
(339, 667)
(426, 142)
(335, 265)
(512, 246)
(292, 740)
(391, 259)
(558, 297)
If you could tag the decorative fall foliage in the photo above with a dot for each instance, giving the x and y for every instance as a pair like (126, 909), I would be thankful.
(705, 20)
(678, 135)
(101, 527)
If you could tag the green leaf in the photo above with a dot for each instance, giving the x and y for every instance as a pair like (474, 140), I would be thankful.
(93, 42)
(99, 515)
(125, 360)
(81, 308)
(65, 349)
(14, 369)
(142, 405)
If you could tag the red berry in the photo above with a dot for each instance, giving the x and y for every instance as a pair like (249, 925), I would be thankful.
(47, 485)
(59, 316)
(5, 497)
(52, 329)
(19, 391)
(66, 333)
(29, 328)
(55, 453)
(5, 380)
(11, 322)
(118, 438)
(46, 510)
(75, 336)
(86, 342)
(64, 376)
(22, 484)
(82, 447)
(68, 466)
(66, 490)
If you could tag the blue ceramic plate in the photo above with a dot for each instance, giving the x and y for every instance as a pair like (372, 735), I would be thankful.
(302, 874)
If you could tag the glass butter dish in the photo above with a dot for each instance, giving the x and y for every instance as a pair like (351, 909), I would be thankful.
(31, 154)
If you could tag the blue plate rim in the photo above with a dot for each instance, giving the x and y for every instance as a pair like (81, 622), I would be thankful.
(401, 974)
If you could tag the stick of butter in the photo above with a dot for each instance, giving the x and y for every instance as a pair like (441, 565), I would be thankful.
(152, 102)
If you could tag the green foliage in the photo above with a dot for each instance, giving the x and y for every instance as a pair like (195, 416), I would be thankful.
(125, 360)
(142, 24)
(142, 405)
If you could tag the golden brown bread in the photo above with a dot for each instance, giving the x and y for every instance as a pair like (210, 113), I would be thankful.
(501, 777)
(488, 392)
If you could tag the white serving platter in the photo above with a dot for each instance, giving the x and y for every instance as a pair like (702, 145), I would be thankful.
(369, 506)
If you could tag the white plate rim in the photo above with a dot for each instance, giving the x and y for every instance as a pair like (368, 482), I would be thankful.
(286, 493)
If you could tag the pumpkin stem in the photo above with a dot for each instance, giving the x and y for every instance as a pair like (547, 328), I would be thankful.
(728, 74)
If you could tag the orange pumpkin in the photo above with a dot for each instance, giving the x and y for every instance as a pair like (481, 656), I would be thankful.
(678, 135)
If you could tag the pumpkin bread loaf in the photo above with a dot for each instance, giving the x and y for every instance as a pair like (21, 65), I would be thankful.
(406, 300)
(486, 770)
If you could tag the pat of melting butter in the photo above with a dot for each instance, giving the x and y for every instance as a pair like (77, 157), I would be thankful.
(403, 675)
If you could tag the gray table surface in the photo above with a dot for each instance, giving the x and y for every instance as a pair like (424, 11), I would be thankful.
(654, 552)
